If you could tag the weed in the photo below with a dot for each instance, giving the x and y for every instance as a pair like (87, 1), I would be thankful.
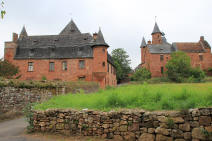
(170, 123)
(29, 117)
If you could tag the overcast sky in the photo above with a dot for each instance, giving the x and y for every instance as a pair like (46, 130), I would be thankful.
(123, 22)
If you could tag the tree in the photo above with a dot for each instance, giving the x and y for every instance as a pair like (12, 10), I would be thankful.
(122, 63)
(3, 12)
(141, 74)
(179, 68)
(7, 69)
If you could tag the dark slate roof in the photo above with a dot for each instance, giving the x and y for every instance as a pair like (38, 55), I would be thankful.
(71, 28)
(143, 43)
(23, 33)
(110, 59)
(164, 48)
(55, 46)
(156, 29)
(63, 46)
(100, 41)
(206, 44)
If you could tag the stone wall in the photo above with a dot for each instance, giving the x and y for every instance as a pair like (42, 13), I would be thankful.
(16, 99)
(130, 125)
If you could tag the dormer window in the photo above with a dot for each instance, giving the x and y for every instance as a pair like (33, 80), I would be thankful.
(161, 57)
(31, 52)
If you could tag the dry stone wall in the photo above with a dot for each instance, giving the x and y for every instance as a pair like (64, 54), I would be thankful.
(16, 99)
(130, 125)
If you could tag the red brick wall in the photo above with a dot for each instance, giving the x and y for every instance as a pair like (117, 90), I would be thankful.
(93, 71)
(156, 38)
(153, 63)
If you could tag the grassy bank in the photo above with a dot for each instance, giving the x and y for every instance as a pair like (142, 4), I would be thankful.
(145, 96)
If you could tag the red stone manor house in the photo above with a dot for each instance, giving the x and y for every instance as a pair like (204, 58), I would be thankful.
(69, 56)
(156, 53)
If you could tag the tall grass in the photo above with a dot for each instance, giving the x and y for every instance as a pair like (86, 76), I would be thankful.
(143, 96)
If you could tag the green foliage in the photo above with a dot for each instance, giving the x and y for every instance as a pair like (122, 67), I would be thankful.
(170, 123)
(141, 75)
(122, 63)
(44, 78)
(143, 96)
(210, 69)
(3, 12)
(206, 133)
(7, 69)
(29, 117)
(179, 69)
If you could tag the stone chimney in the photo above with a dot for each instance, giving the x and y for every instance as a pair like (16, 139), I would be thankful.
(95, 36)
(202, 38)
(149, 42)
(15, 37)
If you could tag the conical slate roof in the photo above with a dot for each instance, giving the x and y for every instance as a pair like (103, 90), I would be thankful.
(143, 43)
(23, 32)
(100, 41)
(156, 29)
(71, 28)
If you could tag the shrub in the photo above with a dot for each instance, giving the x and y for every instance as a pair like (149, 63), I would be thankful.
(178, 67)
(7, 69)
(141, 75)
(197, 74)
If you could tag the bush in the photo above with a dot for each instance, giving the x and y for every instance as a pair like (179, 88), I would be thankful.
(141, 75)
(179, 69)
(197, 74)
(7, 70)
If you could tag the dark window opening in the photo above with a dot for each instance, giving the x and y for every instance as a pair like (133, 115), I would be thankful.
(111, 69)
(161, 57)
(81, 49)
(103, 50)
(103, 64)
(64, 65)
(201, 57)
(81, 78)
(161, 70)
(30, 66)
(81, 64)
(51, 66)
(108, 67)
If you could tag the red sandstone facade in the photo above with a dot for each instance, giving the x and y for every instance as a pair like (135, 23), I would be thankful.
(155, 54)
(98, 68)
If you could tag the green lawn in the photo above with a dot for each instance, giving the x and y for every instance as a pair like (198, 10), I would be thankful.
(143, 96)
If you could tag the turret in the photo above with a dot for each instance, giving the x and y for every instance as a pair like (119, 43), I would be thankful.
(100, 58)
(156, 35)
(143, 48)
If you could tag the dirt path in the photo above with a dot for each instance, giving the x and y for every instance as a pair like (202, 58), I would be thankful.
(14, 130)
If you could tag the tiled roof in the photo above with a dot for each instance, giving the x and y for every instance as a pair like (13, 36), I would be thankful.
(156, 29)
(143, 43)
(99, 40)
(189, 47)
(70, 43)
(71, 28)
(161, 48)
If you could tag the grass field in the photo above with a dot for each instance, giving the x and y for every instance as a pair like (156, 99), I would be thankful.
(143, 96)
